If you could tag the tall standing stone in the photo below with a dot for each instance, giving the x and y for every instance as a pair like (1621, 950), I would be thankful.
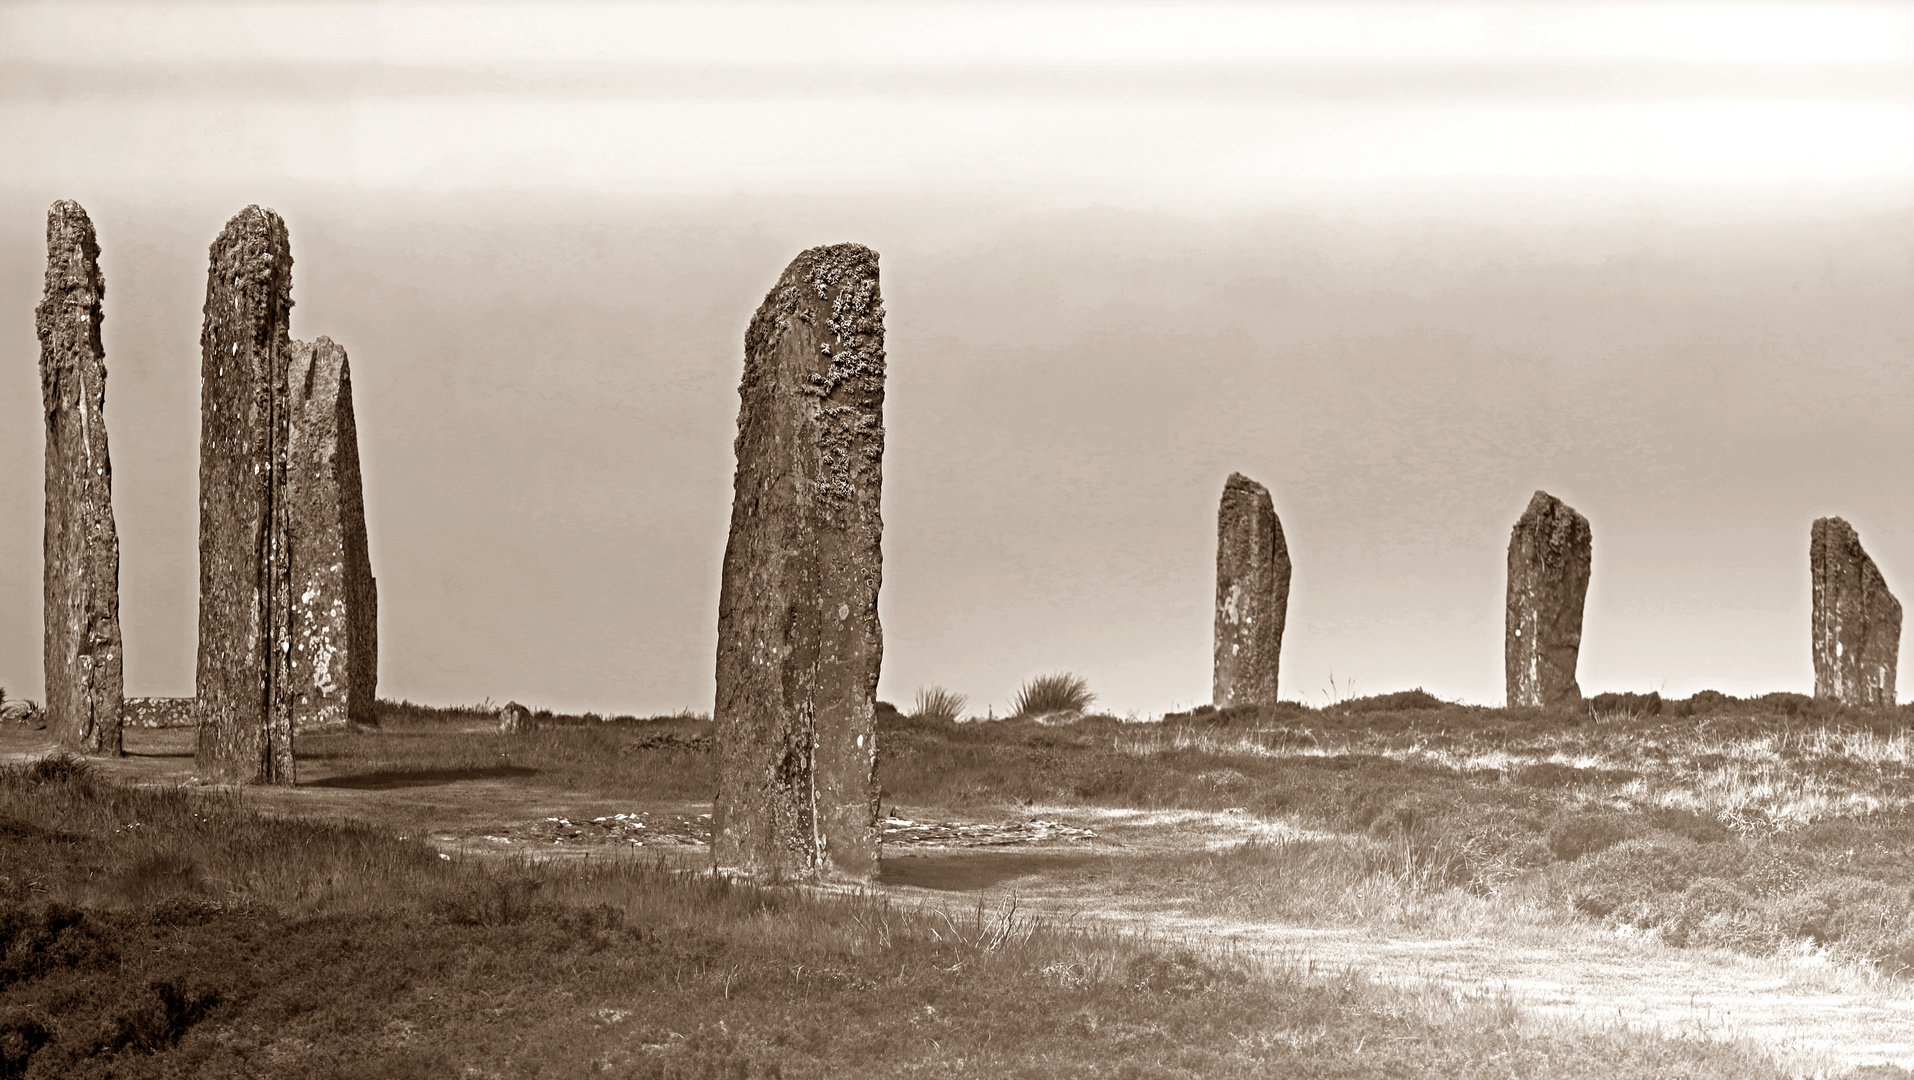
(1252, 594)
(1549, 558)
(1857, 621)
(85, 695)
(798, 638)
(245, 598)
(335, 643)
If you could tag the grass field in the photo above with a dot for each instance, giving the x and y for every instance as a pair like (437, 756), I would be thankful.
(183, 931)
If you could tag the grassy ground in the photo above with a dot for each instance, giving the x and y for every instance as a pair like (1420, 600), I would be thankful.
(1761, 827)
(172, 931)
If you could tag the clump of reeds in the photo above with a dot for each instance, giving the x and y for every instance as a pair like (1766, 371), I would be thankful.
(1058, 693)
(937, 703)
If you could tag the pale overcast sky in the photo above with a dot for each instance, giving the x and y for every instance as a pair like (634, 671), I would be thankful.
(1403, 263)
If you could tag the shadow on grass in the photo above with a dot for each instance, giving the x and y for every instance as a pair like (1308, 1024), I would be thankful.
(967, 872)
(387, 779)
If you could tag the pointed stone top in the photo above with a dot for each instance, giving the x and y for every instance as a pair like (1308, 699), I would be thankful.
(254, 217)
(1547, 511)
(65, 213)
(255, 238)
(1238, 482)
(73, 253)
(1838, 526)
(829, 264)
(852, 267)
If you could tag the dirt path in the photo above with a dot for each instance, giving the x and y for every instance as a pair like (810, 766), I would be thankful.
(1814, 1017)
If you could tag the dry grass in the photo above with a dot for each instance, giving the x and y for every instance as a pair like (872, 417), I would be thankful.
(173, 932)
(1763, 834)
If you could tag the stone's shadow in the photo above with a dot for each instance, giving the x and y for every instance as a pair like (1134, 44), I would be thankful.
(387, 779)
(969, 872)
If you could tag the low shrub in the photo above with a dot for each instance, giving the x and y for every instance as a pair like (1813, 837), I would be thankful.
(1626, 705)
(1400, 701)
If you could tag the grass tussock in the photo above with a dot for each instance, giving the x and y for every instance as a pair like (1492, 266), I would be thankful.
(939, 705)
(173, 932)
(1049, 695)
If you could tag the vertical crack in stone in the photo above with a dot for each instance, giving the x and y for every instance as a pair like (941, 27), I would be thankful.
(83, 657)
(1549, 559)
(1252, 595)
(245, 581)
(799, 643)
(334, 667)
(1855, 633)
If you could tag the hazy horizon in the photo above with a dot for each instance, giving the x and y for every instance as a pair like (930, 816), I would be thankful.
(1404, 269)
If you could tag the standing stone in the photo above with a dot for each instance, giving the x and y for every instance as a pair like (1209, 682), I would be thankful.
(85, 695)
(335, 601)
(514, 719)
(1857, 622)
(1549, 555)
(798, 637)
(1252, 594)
(245, 598)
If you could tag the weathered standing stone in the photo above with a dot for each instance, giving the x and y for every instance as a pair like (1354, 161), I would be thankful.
(514, 718)
(1549, 554)
(335, 601)
(1252, 594)
(1857, 621)
(798, 638)
(85, 695)
(245, 603)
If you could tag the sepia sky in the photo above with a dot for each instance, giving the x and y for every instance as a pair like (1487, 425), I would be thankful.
(1404, 263)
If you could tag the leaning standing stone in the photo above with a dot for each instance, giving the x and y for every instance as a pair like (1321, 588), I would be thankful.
(1252, 594)
(1857, 621)
(335, 601)
(1549, 556)
(798, 637)
(85, 695)
(244, 699)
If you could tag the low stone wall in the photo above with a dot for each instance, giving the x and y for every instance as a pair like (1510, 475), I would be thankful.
(159, 712)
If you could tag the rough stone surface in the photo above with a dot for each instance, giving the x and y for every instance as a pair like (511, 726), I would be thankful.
(514, 718)
(160, 712)
(82, 568)
(335, 601)
(1549, 555)
(1252, 594)
(243, 689)
(798, 637)
(1857, 621)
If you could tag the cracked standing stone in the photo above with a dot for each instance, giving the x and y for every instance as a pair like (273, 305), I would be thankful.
(1252, 595)
(1549, 558)
(1856, 630)
(243, 690)
(335, 601)
(83, 659)
(798, 637)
